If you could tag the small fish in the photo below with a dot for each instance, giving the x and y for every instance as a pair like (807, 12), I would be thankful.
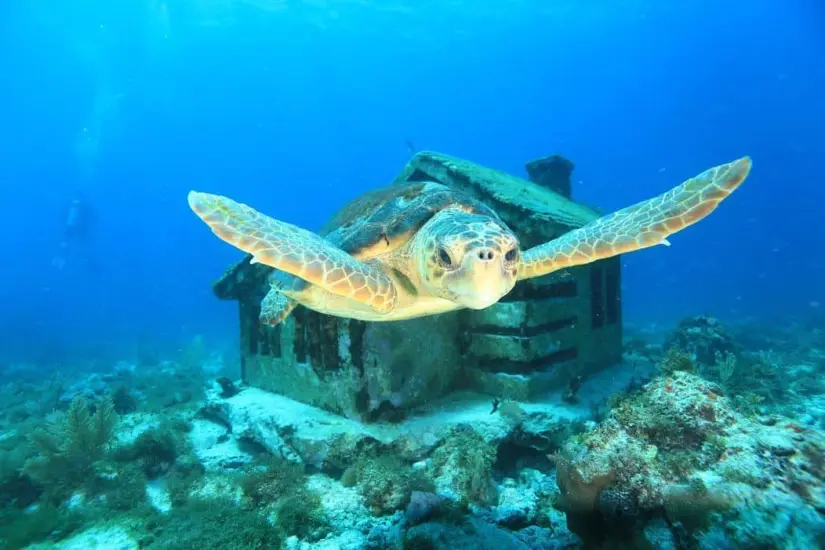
(411, 147)
(496, 403)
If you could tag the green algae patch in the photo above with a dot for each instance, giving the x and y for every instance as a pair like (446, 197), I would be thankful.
(212, 524)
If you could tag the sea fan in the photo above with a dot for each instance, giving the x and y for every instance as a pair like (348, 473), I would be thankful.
(69, 446)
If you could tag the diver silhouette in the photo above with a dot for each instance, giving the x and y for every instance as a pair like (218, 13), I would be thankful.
(78, 231)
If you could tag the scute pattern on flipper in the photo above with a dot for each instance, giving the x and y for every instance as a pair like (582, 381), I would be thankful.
(275, 307)
(294, 250)
(642, 225)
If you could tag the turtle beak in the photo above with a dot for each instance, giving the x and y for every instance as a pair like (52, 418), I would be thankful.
(484, 280)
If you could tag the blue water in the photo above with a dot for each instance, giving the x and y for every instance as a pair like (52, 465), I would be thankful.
(296, 106)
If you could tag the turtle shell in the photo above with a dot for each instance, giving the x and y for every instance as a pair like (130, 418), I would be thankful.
(381, 220)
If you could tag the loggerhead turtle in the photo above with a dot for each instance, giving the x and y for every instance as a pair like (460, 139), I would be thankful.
(417, 249)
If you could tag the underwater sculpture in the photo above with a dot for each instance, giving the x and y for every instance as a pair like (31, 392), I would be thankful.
(422, 248)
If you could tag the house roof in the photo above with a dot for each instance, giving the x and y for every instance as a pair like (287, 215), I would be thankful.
(499, 189)
(536, 213)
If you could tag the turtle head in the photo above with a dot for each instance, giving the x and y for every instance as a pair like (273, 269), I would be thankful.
(470, 259)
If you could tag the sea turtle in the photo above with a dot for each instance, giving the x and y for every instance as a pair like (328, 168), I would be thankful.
(417, 249)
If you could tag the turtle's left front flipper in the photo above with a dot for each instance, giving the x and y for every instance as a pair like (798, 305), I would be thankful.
(294, 250)
(639, 226)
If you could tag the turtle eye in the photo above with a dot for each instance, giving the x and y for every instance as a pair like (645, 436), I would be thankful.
(512, 255)
(444, 257)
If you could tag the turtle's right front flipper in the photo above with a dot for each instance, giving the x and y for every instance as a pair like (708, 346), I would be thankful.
(284, 295)
(294, 250)
(275, 307)
(645, 224)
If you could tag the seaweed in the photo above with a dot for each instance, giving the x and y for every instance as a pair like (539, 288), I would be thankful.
(271, 480)
(301, 514)
(126, 491)
(16, 488)
(213, 524)
(676, 360)
(277, 481)
(180, 482)
(156, 450)
(418, 542)
(384, 480)
(123, 400)
(22, 528)
(466, 459)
